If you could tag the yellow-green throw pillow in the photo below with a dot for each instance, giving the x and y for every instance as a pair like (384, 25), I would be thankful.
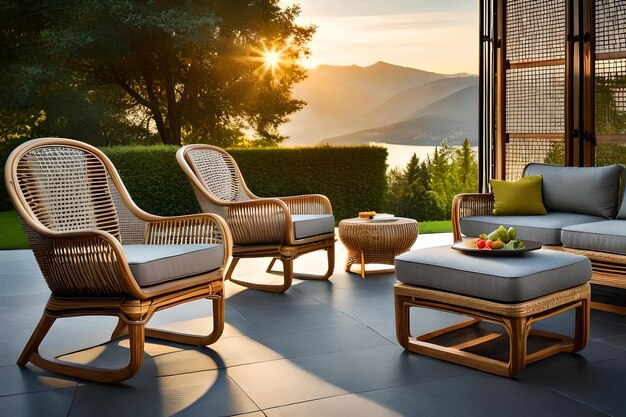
(519, 197)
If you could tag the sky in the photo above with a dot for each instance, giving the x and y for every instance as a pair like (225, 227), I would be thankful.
(432, 35)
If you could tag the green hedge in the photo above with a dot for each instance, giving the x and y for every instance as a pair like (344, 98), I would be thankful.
(153, 178)
(353, 178)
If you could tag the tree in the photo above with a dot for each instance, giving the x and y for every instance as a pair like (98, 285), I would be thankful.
(190, 70)
(466, 167)
(424, 190)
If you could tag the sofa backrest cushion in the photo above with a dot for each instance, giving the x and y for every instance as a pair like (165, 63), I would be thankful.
(586, 190)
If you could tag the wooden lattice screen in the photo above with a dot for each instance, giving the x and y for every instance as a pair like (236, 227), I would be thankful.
(559, 77)
(610, 81)
(534, 88)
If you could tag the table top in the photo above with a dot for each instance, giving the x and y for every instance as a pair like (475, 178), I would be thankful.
(377, 222)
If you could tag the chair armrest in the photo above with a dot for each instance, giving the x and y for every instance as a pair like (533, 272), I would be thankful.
(82, 263)
(308, 204)
(259, 221)
(203, 228)
(465, 205)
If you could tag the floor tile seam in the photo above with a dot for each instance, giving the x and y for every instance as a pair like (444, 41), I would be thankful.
(245, 393)
(601, 340)
(39, 391)
(306, 356)
(69, 411)
(279, 332)
(576, 400)
(354, 318)
(307, 401)
(393, 342)
(366, 391)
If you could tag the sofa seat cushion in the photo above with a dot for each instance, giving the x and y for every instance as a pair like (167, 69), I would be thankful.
(607, 236)
(545, 229)
(506, 279)
(586, 190)
(156, 264)
(308, 225)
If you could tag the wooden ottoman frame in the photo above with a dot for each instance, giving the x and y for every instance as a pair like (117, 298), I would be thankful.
(516, 319)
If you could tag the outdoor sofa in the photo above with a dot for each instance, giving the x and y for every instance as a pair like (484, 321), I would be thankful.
(584, 216)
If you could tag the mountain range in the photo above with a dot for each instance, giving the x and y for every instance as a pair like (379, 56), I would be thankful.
(384, 103)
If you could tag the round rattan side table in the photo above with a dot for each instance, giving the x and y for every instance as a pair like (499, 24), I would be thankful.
(376, 241)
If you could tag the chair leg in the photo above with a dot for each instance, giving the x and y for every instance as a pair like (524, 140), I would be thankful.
(32, 346)
(581, 334)
(120, 330)
(271, 265)
(190, 339)
(276, 288)
(233, 263)
(91, 373)
(330, 254)
(403, 323)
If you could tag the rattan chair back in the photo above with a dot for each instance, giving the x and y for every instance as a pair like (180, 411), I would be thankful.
(219, 173)
(67, 189)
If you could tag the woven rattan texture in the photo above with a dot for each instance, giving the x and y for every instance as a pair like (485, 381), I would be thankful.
(535, 100)
(520, 152)
(610, 26)
(67, 189)
(377, 243)
(132, 228)
(218, 172)
(535, 30)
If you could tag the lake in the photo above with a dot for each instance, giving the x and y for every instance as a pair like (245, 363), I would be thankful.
(399, 155)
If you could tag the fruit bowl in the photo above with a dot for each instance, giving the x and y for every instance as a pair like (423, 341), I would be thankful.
(467, 245)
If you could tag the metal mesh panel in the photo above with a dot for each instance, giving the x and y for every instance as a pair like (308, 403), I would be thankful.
(610, 26)
(535, 100)
(520, 152)
(535, 30)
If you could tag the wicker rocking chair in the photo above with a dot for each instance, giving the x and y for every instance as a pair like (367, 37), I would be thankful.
(281, 228)
(102, 255)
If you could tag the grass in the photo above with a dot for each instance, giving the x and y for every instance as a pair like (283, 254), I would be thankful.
(12, 236)
(441, 226)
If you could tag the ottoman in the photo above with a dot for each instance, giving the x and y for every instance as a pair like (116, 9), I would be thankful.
(511, 291)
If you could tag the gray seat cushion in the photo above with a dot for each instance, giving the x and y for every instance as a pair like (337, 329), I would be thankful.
(586, 190)
(545, 229)
(506, 279)
(155, 264)
(308, 225)
(607, 236)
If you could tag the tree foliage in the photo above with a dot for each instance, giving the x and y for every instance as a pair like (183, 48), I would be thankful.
(424, 190)
(189, 70)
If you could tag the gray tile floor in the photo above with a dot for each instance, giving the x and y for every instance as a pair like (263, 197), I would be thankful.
(321, 349)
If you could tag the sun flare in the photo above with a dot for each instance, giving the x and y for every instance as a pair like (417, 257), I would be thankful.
(272, 58)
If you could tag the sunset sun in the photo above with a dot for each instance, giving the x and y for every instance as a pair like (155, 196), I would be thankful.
(272, 58)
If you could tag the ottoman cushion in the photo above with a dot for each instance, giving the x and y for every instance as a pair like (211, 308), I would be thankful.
(506, 279)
